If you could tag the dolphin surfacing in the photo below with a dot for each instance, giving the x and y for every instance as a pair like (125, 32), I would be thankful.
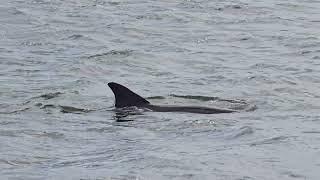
(124, 97)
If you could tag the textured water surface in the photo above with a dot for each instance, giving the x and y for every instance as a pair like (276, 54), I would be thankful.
(57, 119)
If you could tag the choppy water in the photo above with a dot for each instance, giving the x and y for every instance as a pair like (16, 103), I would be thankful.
(57, 119)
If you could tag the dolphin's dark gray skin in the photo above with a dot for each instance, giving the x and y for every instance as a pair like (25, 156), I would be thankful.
(124, 97)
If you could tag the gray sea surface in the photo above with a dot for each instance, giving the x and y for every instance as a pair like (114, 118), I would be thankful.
(57, 115)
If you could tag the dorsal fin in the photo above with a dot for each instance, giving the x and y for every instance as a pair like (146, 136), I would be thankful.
(125, 97)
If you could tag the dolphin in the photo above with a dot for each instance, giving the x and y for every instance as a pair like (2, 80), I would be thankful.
(124, 97)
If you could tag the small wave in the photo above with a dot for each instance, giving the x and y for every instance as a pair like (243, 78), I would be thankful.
(25, 162)
(241, 132)
(45, 106)
(82, 161)
(113, 53)
(63, 109)
(15, 162)
(70, 109)
(270, 140)
(15, 111)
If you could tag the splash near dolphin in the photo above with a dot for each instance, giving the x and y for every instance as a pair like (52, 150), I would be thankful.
(124, 97)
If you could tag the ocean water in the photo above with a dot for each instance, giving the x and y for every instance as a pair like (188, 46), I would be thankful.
(57, 115)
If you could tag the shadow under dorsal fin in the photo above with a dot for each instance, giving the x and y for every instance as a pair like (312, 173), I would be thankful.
(124, 97)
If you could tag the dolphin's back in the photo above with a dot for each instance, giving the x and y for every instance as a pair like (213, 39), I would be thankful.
(190, 109)
(124, 97)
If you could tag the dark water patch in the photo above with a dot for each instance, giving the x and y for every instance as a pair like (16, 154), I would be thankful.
(127, 114)
(219, 8)
(316, 57)
(234, 6)
(305, 52)
(12, 63)
(31, 43)
(75, 36)
(150, 17)
(239, 101)
(123, 118)
(78, 37)
(37, 104)
(244, 38)
(291, 174)
(115, 3)
(156, 97)
(124, 53)
(53, 135)
(229, 7)
(42, 52)
(27, 70)
(264, 66)
(15, 11)
(102, 130)
(311, 132)
(48, 96)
